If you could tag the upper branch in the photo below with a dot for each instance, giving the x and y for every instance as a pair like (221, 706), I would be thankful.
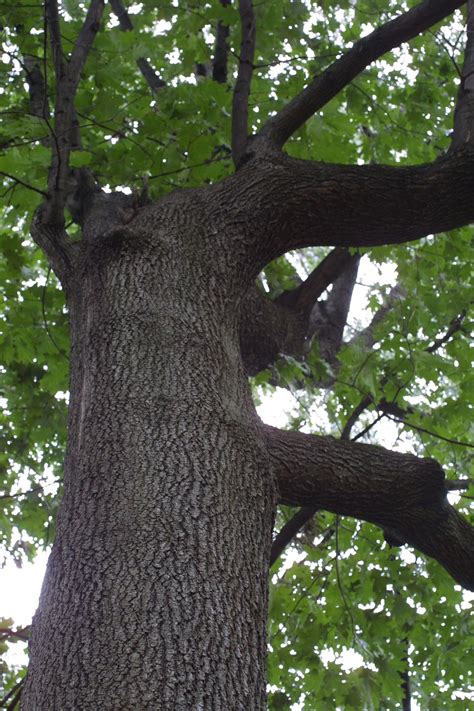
(67, 81)
(240, 108)
(52, 22)
(84, 43)
(284, 203)
(464, 113)
(403, 494)
(221, 51)
(325, 86)
(153, 80)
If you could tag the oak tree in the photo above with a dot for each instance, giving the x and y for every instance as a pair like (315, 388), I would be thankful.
(170, 161)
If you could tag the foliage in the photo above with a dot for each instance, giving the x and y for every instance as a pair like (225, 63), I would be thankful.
(340, 587)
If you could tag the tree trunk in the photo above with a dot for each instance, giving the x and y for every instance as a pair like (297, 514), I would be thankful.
(156, 589)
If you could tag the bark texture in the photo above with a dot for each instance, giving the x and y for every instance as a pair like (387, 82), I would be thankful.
(155, 595)
(404, 495)
(156, 592)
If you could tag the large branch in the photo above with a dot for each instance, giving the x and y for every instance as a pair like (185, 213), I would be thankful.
(325, 86)
(464, 113)
(401, 493)
(240, 101)
(285, 203)
(267, 330)
(303, 515)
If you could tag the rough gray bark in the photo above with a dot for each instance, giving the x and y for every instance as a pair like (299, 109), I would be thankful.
(156, 590)
(155, 595)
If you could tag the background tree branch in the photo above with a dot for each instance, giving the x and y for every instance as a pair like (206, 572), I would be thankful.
(367, 335)
(464, 111)
(328, 318)
(153, 79)
(221, 50)
(37, 88)
(285, 326)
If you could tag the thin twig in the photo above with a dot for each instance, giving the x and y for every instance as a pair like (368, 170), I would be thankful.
(339, 583)
(428, 432)
(25, 185)
(13, 695)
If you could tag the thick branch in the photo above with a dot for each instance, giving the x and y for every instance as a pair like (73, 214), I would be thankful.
(325, 86)
(153, 80)
(464, 113)
(285, 203)
(295, 524)
(240, 99)
(403, 494)
(268, 329)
